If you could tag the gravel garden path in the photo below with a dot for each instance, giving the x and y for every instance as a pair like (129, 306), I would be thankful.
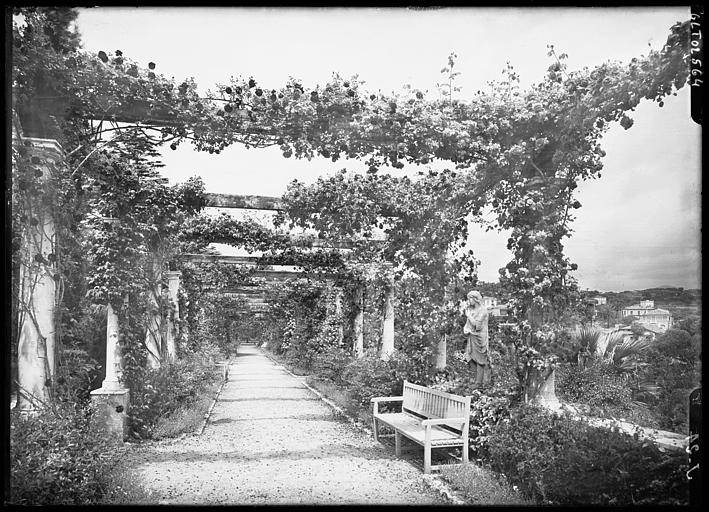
(270, 440)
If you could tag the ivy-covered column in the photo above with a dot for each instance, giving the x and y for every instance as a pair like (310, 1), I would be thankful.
(338, 314)
(153, 341)
(37, 301)
(173, 286)
(442, 348)
(388, 320)
(358, 326)
(112, 399)
(441, 353)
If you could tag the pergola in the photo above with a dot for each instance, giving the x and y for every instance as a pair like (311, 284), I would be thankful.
(256, 299)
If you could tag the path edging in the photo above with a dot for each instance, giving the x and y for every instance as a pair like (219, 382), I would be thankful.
(432, 481)
(225, 378)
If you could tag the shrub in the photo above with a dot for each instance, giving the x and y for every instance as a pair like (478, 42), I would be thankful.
(412, 365)
(61, 457)
(486, 412)
(559, 460)
(599, 385)
(186, 418)
(329, 364)
(77, 375)
(673, 409)
(368, 376)
(159, 392)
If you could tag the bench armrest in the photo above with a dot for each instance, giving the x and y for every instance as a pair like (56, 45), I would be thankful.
(441, 421)
(379, 399)
(387, 399)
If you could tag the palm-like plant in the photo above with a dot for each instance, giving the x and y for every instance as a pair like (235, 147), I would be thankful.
(587, 339)
(621, 352)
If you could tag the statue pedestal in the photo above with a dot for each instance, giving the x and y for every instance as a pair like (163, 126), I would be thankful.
(542, 390)
(112, 410)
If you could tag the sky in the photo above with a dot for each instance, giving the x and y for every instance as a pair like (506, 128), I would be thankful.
(639, 226)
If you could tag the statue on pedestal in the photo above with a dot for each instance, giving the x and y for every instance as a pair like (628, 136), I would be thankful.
(477, 348)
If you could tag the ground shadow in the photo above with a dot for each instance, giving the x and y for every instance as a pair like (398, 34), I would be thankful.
(269, 398)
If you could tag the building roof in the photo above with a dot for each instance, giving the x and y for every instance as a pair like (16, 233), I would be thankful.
(638, 306)
(658, 311)
(649, 310)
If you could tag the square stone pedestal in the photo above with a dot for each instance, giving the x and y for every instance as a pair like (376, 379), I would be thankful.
(112, 410)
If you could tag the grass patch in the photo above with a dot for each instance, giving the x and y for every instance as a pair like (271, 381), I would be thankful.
(188, 417)
(289, 364)
(126, 489)
(481, 486)
(342, 398)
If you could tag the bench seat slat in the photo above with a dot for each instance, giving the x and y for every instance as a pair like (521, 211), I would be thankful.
(411, 427)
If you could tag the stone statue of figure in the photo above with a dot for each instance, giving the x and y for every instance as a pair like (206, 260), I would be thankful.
(477, 349)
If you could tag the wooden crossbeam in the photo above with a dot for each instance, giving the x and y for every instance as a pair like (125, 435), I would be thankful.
(266, 271)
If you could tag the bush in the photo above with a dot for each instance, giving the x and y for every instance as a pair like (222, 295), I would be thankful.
(412, 365)
(158, 392)
(186, 418)
(559, 460)
(77, 375)
(673, 409)
(599, 385)
(368, 377)
(62, 457)
(486, 412)
(329, 364)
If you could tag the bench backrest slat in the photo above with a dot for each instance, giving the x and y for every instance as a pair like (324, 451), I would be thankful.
(432, 403)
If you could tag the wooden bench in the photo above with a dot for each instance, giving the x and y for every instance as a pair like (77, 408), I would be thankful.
(429, 417)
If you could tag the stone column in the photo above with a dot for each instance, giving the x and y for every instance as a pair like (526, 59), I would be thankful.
(541, 388)
(114, 370)
(388, 321)
(359, 321)
(173, 285)
(112, 399)
(37, 302)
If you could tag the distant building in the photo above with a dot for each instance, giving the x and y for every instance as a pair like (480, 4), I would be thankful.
(646, 314)
(489, 302)
(494, 308)
(600, 301)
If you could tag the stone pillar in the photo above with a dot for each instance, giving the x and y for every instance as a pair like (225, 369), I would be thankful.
(359, 321)
(37, 301)
(112, 399)
(541, 388)
(173, 285)
(388, 321)
(114, 371)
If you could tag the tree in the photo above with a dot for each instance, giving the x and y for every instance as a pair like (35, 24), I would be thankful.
(677, 344)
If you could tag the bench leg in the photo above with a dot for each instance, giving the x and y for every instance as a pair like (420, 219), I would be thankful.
(397, 443)
(427, 459)
(374, 425)
(466, 449)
